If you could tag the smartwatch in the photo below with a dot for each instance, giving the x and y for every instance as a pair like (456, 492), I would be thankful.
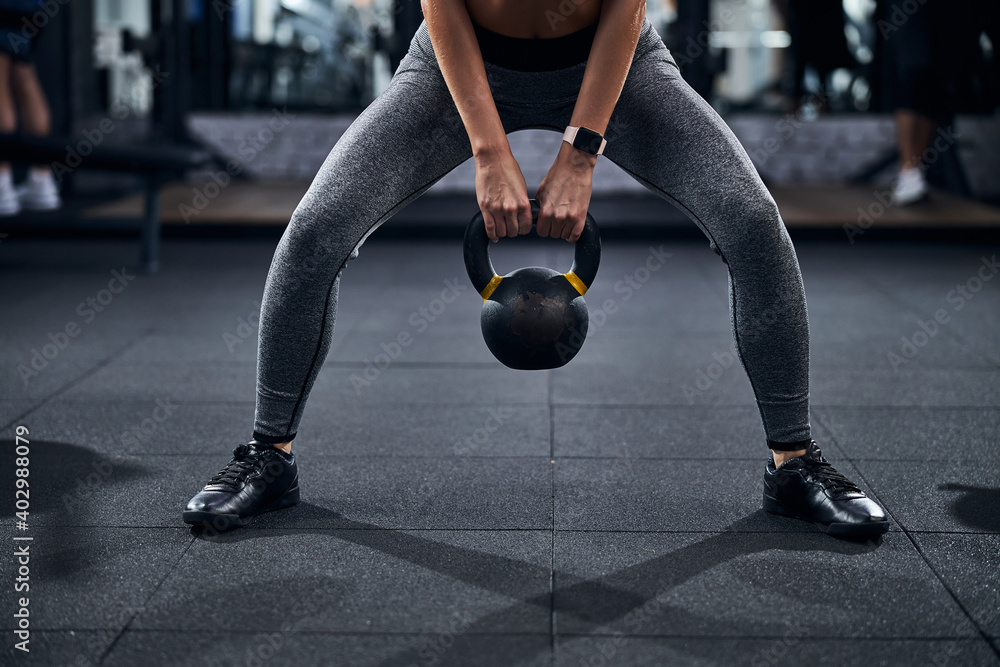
(585, 140)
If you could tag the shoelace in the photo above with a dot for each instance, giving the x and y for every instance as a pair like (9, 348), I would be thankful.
(236, 471)
(829, 477)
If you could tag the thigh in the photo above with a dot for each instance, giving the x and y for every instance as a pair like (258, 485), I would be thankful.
(405, 141)
(672, 141)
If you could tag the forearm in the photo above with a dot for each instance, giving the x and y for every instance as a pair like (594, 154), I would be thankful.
(461, 64)
(610, 58)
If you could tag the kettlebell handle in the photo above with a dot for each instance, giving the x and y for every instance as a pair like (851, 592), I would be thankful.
(586, 258)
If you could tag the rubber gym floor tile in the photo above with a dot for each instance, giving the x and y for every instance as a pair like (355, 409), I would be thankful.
(912, 433)
(80, 486)
(232, 381)
(439, 347)
(653, 382)
(634, 494)
(733, 583)
(970, 568)
(293, 647)
(85, 488)
(411, 493)
(683, 352)
(909, 386)
(790, 648)
(35, 386)
(365, 581)
(951, 495)
(10, 410)
(236, 343)
(86, 578)
(420, 316)
(60, 647)
(164, 425)
(491, 386)
(661, 431)
(424, 430)
(872, 350)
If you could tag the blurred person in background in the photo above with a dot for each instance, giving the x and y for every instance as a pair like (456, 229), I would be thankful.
(22, 98)
(928, 47)
(818, 42)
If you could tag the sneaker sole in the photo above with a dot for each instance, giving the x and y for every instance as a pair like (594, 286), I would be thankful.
(223, 522)
(869, 529)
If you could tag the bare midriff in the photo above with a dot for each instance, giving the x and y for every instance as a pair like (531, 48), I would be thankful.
(534, 18)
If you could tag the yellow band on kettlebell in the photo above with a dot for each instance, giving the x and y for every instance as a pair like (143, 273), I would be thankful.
(488, 290)
(575, 281)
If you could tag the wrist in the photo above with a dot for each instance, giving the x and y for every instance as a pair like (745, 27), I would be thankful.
(488, 150)
(576, 158)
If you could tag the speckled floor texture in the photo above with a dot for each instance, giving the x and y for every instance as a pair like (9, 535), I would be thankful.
(456, 512)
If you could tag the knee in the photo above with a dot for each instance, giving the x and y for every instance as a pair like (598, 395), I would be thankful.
(316, 242)
(753, 231)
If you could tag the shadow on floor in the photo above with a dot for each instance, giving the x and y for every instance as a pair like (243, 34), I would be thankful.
(62, 478)
(977, 507)
(585, 605)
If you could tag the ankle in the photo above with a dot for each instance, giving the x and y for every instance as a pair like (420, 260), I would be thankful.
(780, 457)
(286, 447)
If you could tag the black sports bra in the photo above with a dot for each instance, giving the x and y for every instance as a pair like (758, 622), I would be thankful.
(535, 54)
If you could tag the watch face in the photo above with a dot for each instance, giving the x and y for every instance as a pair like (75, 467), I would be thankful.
(588, 141)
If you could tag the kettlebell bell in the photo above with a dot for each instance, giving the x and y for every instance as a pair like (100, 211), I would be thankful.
(533, 318)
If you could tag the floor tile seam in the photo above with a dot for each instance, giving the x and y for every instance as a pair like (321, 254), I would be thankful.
(340, 633)
(863, 638)
(71, 383)
(920, 314)
(546, 529)
(523, 633)
(139, 454)
(927, 562)
(552, 516)
(110, 647)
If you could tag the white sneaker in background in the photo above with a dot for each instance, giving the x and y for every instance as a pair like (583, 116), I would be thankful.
(10, 204)
(39, 192)
(910, 187)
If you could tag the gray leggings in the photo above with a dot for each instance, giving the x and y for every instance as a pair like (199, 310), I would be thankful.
(661, 132)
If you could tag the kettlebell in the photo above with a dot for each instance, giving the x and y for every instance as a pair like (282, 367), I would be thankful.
(533, 318)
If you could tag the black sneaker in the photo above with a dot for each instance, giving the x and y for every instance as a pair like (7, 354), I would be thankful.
(259, 479)
(809, 488)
